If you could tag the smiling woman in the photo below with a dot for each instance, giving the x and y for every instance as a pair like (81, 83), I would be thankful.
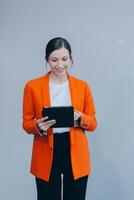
(59, 57)
(62, 150)
(59, 61)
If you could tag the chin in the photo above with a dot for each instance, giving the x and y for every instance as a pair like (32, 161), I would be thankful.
(61, 72)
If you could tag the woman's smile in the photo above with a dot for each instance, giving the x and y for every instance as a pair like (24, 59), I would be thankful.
(60, 70)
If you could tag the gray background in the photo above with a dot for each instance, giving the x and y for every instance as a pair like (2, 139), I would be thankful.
(101, 35)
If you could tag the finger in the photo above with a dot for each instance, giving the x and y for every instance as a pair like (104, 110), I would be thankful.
(75, 116)
(40, 124)
(77, 112)
(44, 118)
(40, 120)
(46, 127)
(48, 123)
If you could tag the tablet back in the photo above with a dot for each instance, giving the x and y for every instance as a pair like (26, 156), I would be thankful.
(64, 115)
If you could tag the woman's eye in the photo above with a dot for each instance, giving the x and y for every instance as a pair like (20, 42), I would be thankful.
(64, 59)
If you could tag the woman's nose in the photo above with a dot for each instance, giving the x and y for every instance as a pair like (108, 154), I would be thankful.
(60, 64)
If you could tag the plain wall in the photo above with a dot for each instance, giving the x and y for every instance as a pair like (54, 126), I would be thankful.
(101, 35)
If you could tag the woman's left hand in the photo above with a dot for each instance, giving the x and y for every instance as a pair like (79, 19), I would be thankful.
(77, 115)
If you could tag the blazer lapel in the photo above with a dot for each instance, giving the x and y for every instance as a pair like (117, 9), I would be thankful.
(46, 103)
(45, 91)
(73, 90)
(74, 101)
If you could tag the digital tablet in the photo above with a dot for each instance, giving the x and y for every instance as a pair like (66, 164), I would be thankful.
(64, 115)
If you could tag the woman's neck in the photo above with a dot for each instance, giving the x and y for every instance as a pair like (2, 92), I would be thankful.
(57, 79)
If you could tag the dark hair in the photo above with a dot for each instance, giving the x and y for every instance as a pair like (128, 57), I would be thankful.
(55, 44)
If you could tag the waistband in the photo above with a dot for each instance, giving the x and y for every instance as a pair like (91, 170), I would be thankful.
(62, 133)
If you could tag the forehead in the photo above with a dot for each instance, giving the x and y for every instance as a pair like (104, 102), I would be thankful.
(60, 53)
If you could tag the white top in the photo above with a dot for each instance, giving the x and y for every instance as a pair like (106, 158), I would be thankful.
(60, 96)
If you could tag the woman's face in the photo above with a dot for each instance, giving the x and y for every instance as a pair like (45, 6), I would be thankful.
(59, 60)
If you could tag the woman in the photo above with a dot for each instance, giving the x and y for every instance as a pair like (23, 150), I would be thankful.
(62, 150)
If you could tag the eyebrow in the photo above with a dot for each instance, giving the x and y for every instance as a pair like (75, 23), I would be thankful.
(62, 57)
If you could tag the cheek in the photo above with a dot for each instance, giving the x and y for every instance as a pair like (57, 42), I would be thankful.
(52, 64)
(67, 63)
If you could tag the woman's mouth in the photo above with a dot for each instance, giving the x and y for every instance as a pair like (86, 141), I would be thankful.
(60, 70)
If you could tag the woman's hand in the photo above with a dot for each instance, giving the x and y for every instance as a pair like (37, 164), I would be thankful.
(43, 125)
(77, 115)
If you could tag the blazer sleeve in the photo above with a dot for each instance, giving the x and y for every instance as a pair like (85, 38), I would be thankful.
(29, 119)
(88, 119)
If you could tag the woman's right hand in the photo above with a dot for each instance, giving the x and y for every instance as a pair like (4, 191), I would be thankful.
(43, 125)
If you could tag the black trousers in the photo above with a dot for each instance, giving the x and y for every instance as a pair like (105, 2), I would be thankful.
(70, 189)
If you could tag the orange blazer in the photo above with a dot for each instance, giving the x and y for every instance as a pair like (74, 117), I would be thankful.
(36, 95)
